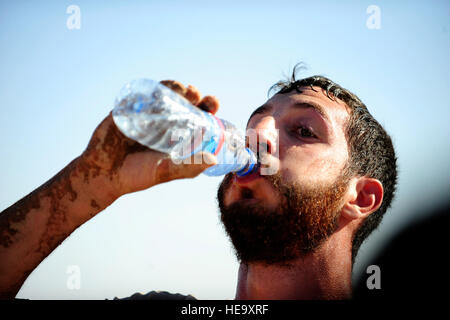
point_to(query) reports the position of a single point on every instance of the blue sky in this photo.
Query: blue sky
(57, 84)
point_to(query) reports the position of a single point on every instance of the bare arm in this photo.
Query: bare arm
(111, 166)
(35, 225)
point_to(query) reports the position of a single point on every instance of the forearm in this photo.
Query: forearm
(34, 226)
(112, 165)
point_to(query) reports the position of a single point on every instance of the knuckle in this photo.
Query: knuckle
(209, 103)
(175, 86)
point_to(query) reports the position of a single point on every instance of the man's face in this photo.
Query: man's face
(279, 217)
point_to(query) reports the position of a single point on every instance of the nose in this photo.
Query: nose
(262, 138)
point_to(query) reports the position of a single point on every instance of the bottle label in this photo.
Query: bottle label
(222, 136)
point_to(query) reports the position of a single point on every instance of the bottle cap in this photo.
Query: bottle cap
(250, 167)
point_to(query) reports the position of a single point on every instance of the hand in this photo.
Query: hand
(131, 166)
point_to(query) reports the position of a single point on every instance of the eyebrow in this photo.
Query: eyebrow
(317, 107)
(266, 108)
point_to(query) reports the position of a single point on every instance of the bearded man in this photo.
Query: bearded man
(296, 231)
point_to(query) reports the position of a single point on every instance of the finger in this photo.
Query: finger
(175, 86)
(209, 104)
(189, 168)
(193, 166)
(193, 95)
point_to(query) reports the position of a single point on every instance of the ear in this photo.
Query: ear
(365, 196)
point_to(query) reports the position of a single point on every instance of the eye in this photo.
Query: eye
(305, 132)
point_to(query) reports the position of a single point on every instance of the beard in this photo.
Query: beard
(304, 219)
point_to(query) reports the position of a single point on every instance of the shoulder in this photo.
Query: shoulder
(158, 295)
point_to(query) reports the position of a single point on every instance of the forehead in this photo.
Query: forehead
(335, 111)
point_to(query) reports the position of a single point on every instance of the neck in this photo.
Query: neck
(323, 274)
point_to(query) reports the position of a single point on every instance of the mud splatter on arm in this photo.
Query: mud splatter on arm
(34, 226)
(112, 165)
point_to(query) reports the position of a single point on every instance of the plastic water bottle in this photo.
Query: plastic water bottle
(159, 118)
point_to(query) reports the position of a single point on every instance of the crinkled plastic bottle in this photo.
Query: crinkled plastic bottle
(159, 118)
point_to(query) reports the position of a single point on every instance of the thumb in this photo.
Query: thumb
(198, 163)
(170, 169)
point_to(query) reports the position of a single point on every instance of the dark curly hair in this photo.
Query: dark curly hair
(371, 152)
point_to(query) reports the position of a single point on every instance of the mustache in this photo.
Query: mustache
(274, 180)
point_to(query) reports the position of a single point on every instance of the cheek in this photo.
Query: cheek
(311, 167)
(230, 195)
(226, 190)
